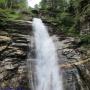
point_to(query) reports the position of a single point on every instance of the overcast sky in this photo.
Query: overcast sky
(32, 3)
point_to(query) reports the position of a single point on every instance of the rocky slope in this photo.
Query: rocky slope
(17, 45)
(74, 63)
(13, 54)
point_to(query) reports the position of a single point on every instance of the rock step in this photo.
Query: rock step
(21, 41)
(18, 35)
(20, 45)
(19, 38)
(5, 39)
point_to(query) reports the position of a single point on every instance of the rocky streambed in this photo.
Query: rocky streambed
(17, 43)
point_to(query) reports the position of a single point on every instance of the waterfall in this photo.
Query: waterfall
(47, 70)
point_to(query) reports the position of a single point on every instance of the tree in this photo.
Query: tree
(12, 4)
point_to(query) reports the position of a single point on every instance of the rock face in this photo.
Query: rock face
(17, 45)
(75, 68)
(13, 57)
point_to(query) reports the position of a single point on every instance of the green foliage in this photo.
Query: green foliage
(85, 39)
(22, 4)
(67, 19)
(68, 14)
(12, 9)
(8, 14)
(13, 4)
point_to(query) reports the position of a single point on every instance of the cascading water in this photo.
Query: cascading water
(47, 70)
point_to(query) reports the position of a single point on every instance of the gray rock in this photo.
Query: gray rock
(10, 66)
(21, 45)
(71, 54)
(2, 48)
(4, 39)
(20, 41)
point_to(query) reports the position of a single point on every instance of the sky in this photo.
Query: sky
(32, 3)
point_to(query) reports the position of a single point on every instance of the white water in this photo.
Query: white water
(47, 70)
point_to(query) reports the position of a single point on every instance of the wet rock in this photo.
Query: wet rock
(18, 35)
(68, 52)
(4, 33)
(8, 64)
(19, 38)
(1, 76)
(19, 25)
(13, 54)
(13, 69)
(71, 53)
(2, 48)
(4, 39)
(20, 45)
(21, 41)
(88, 53)
(22, 69)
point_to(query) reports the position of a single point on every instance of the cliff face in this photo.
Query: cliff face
(17, 45)
(13, 55)
(74, 64)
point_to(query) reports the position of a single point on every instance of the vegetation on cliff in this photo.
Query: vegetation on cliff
(11, 10)
(68, 16)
